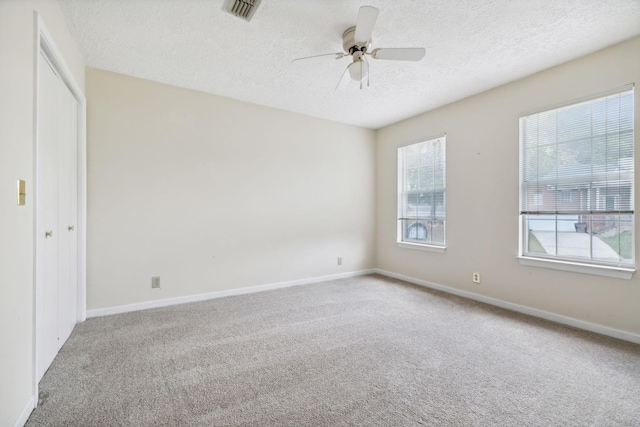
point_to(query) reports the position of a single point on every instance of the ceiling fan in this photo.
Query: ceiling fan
(356, 42)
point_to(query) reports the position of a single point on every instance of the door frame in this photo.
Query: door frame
(44, 42)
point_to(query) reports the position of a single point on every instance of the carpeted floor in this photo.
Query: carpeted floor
(362, 351)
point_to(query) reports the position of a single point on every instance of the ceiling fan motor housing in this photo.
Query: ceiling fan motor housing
(349, 44)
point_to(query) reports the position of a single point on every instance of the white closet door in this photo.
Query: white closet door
(67, 214)
(47, 169)
(57, 295)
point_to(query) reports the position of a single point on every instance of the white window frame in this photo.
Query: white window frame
(427, 246)
(573, 264)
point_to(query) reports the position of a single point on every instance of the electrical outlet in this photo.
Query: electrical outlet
(476, 277)
(339, 260)
(155, 282)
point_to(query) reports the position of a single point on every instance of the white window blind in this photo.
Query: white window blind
(576, 180)
(422, 192)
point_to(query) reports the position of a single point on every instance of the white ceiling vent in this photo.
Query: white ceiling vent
(242, 8)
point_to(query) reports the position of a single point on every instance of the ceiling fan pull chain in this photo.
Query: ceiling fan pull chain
(368, 70)
(341, 77)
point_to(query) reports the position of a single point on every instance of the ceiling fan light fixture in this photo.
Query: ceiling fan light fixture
(358, 70)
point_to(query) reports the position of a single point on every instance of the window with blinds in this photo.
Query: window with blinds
(576, 181)
(422, 192)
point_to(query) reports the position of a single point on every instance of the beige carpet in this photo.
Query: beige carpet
(365, 351)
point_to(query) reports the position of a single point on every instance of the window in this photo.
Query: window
(565, 196)
(576, 182)
(537, 198)
(421, 193)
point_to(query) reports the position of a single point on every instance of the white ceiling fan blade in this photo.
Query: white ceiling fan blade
(342, 77)
(338, 55)
(367, 16)
(400, 54)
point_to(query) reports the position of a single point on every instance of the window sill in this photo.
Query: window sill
(421, 247)
(577, 267)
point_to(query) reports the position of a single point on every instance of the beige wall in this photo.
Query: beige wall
(482, 195)
(17, 162)
(213, 194)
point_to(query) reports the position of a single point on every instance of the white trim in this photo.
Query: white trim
(422, 247)
(44, 42)
(82, 211)
(558, 318)
(220, 294)
(418, 141)
(581, 100)
(26, 412)
(596, 270)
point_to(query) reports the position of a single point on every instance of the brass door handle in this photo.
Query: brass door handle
(48, 234)
(71, 228)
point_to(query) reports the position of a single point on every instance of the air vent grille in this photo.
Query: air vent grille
(243, 8)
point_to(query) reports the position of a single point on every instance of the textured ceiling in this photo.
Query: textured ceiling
(471, 46)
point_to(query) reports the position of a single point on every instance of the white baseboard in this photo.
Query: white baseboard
(558, 318)
(26, 412)
(570, 321)
(219, 294)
